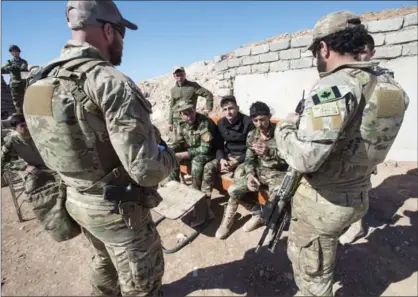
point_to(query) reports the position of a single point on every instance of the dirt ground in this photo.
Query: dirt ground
(384, 263)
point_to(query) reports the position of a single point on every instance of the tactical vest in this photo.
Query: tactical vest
(68, 127)
(367, 137)
(380, 120)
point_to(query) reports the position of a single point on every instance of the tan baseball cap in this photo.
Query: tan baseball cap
(85, 13)
(177, 68)
(333, 23)
(184, 104)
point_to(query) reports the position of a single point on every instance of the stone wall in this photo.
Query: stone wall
(394, 38)
(277, 73)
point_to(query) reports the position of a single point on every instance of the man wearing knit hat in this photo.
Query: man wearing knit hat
(349, 123)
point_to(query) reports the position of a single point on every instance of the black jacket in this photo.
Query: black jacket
(233, 137)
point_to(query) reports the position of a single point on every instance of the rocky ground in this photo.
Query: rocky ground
(384, 263)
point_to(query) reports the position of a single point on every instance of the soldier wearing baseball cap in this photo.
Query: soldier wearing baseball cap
(123, 151)
(333, 23)
(185, 90)
(195, 146)
(336, 146)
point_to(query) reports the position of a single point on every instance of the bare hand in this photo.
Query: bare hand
(232, 164)
(252, 183)
(260, 148)
(31, 169)
(224, 165)
(292, 117)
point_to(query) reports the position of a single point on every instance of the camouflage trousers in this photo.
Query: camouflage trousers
(126, 261)
(212, 171)
(269, 179)
(18, 92)
(318, 219)
(197, 163)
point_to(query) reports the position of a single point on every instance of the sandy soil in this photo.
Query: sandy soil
(384, 263)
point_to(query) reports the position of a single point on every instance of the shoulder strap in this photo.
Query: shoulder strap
(76, 70)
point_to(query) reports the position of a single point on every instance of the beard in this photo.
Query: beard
(321, 65)
(115, 52)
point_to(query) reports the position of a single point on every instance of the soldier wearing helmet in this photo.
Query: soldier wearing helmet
(14, 67)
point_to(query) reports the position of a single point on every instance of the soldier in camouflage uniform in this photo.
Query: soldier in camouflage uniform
(185, 90)
(264, 168)
(356, 230)
(14, 67)
(195, 145)
(350, 121)
(19, 144)
(95, 130)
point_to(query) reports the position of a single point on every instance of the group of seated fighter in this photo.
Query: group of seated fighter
(239, 144)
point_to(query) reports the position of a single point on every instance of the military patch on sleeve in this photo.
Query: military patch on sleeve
(325, 110)
(327, 94)
(206, 137)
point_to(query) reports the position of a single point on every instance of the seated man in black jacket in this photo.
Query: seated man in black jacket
(233, 129)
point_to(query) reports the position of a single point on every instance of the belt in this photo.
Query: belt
(344, 199)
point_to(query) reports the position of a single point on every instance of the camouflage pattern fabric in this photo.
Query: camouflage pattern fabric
(198, 141)
(263, 166)
(17, 84)
(197, 165)
(212, 170)
(350, 121)
(269, 169)
(126, 261)
(15, 146)
(84, 141)
(188, 91)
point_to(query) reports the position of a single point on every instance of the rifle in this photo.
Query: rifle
(276, 213)
(301, 105)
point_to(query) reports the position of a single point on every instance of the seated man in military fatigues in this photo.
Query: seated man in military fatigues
(195, 145)
(19, 143)
(264, 169)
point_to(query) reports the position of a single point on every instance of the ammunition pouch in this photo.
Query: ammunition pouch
(48, 202)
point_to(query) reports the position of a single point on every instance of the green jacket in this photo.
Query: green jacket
(198, 139)
(189, 91)
(14, 67)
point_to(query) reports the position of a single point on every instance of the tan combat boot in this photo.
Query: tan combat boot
(353, 233)
(255, 222)
(228, 219)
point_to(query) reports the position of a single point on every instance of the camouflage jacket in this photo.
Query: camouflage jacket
(350, 121)
(198, 139)
(272, 161)
(84, 142)
(188, 91)
(15, 146)
(14, 68)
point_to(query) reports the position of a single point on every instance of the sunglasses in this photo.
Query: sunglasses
(116, 27)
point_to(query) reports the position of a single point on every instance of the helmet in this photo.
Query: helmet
(14, 47)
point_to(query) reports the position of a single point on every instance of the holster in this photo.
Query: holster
(132, 200)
